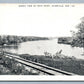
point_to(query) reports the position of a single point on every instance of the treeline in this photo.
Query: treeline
(74, 42)
(7, 39)
(65, 40)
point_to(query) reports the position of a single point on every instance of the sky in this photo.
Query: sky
(39, 21)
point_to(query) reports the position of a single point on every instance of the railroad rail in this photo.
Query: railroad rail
(37, 66)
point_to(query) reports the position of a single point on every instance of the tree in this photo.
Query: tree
(78, 39)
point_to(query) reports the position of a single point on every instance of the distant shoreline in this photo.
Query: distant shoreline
(69, 41)
(7, 40)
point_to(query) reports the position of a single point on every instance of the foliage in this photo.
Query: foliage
(78, 38)
(7, 39)
(8, 66)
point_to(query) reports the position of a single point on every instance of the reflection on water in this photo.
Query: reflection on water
(10, 47)
(51, 46)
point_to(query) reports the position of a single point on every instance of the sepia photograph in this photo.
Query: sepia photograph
(42, 39)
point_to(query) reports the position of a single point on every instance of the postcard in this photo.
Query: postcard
(42, 42)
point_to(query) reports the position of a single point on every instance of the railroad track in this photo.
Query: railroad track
(37, 66)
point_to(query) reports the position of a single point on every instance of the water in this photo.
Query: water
(51, 46)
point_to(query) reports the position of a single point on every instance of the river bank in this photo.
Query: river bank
(58, 61)
(62, 62)
(15, 40)
(65, 40)
(71, 41)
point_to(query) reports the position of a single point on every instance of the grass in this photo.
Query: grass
(69, 64)
(59, 61)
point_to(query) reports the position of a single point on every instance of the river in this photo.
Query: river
(51, 46)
